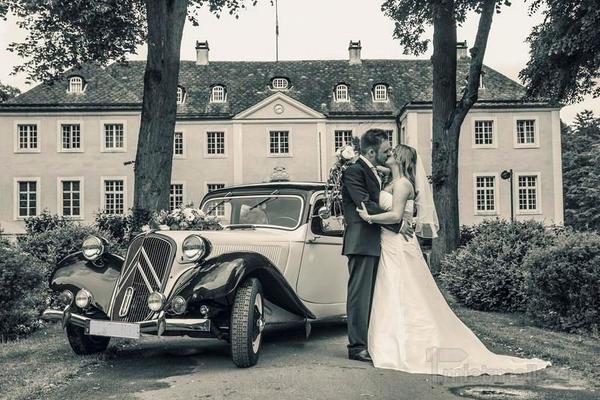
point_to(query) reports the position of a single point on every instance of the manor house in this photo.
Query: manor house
(67, 146)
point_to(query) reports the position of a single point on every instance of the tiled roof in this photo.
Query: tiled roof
(247, 83)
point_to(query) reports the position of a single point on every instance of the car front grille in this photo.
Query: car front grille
(146, 270)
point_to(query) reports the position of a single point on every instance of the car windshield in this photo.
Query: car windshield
(278, 211)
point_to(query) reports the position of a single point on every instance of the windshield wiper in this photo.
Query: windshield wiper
(260, 203)
(219, 204)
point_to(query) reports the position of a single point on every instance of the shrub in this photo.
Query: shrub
(564, 283)
(488, 273)
(22, 291)
(118, 226)
(53, 245)
(44, 222)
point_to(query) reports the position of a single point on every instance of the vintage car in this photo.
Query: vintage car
(277, 262)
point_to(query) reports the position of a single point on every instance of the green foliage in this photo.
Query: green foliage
(564, 283)
(564, 51)
(43, 222)
(412, 17)
(487, 273)
(581, 172)
(117, 225)
(7, 92)
(53, 245)
(65, 34)
(22, 291)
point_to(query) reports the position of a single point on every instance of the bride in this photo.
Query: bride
(412, 328)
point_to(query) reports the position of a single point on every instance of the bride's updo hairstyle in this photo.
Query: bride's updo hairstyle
(406, 157)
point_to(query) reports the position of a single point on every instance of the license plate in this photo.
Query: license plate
(114, 329)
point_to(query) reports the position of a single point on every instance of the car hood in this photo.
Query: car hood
(274, 244)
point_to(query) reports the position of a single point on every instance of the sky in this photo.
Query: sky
(322, 29)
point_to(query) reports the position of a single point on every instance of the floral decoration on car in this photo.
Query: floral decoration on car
(345, 156)
(183, 218)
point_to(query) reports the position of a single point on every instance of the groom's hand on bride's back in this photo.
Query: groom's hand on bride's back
(406, 230)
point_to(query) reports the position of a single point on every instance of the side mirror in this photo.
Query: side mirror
(324, 212)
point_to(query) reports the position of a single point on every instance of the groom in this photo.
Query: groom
(362, 184)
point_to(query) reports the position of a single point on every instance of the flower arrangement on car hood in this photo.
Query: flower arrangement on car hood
(345, 156)
(183, 218)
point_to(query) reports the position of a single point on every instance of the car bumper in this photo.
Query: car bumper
(155, 326)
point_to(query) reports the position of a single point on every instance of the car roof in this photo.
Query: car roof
(297, 185)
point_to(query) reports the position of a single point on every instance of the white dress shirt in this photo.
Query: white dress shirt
(373, 169)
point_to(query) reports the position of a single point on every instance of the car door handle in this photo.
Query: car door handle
(314, 239)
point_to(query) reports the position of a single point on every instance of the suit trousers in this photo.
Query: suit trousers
(363, 271)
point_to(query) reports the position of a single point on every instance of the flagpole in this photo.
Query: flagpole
(276, 32)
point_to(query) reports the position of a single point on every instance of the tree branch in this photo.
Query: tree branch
(471, 93)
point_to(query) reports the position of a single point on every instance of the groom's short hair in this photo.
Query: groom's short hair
(372, 139)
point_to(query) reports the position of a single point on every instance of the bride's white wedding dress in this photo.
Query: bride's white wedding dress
(413, 329)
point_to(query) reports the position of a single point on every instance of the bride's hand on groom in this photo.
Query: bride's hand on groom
(406, 230)
(363, 213)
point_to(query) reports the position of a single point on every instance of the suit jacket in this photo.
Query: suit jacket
(359, 184)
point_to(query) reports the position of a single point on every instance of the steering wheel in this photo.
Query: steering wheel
(285, 218)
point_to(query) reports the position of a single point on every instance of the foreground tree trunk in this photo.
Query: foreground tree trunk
(154, 158)
(448, 116)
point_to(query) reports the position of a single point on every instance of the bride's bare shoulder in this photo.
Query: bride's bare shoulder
(403, 185)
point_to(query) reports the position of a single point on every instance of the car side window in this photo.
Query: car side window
(332, 226)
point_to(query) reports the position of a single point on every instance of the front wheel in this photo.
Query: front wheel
(85, 344)
(247, 323)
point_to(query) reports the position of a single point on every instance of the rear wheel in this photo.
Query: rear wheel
(85, 344)
(247, 323)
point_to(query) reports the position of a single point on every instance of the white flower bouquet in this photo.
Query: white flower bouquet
(183, 218)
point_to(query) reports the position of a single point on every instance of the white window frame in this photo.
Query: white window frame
(16, 148)
(102, 192)
(374, 93)
(71, 85)
(538, 193)
(536, 132)
(206, 191)
(268, 136)
(496, 177)
(337, 93)
(59, 141)
(184, 142)
(494, 144)
(206, 153)
(183, 192)
(59, 197)
(335, 148)
(280, 79)
(38, 195)
(102, 139)
(181, 95)
(392, 135)
(212, 94)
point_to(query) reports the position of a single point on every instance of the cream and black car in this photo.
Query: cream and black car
(277, 262)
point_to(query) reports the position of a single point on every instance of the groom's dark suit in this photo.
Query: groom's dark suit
(363, 248)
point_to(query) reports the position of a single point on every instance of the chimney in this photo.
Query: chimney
(462, 50)
(202, 53)
(354, 50)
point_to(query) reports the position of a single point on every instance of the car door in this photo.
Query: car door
(323, 276)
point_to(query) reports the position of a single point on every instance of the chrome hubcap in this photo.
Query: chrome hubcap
(259, 322)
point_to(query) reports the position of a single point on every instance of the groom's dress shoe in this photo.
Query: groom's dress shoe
(362, 355)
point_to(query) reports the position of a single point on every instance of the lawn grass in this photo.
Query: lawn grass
(39, 363)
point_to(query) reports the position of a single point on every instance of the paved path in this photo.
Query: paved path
(290, 368)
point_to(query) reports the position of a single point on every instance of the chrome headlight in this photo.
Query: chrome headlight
(156, 301)
(92, 248)
(193, 248)
(83, 298)
(178, 305)
(66, 298)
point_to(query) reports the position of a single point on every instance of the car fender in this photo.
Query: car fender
(75, 272)
(219, 277)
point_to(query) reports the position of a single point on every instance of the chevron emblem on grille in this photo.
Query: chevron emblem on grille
(147, 279)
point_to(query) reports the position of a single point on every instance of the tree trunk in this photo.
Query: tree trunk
(448, 117)
(154, 158)
(444, 150)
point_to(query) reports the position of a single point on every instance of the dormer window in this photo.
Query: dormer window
(280, 83)
(180, 95)
(341, 93)
(217, 94)
(380, 92)
(76, 84)
(481, 85)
